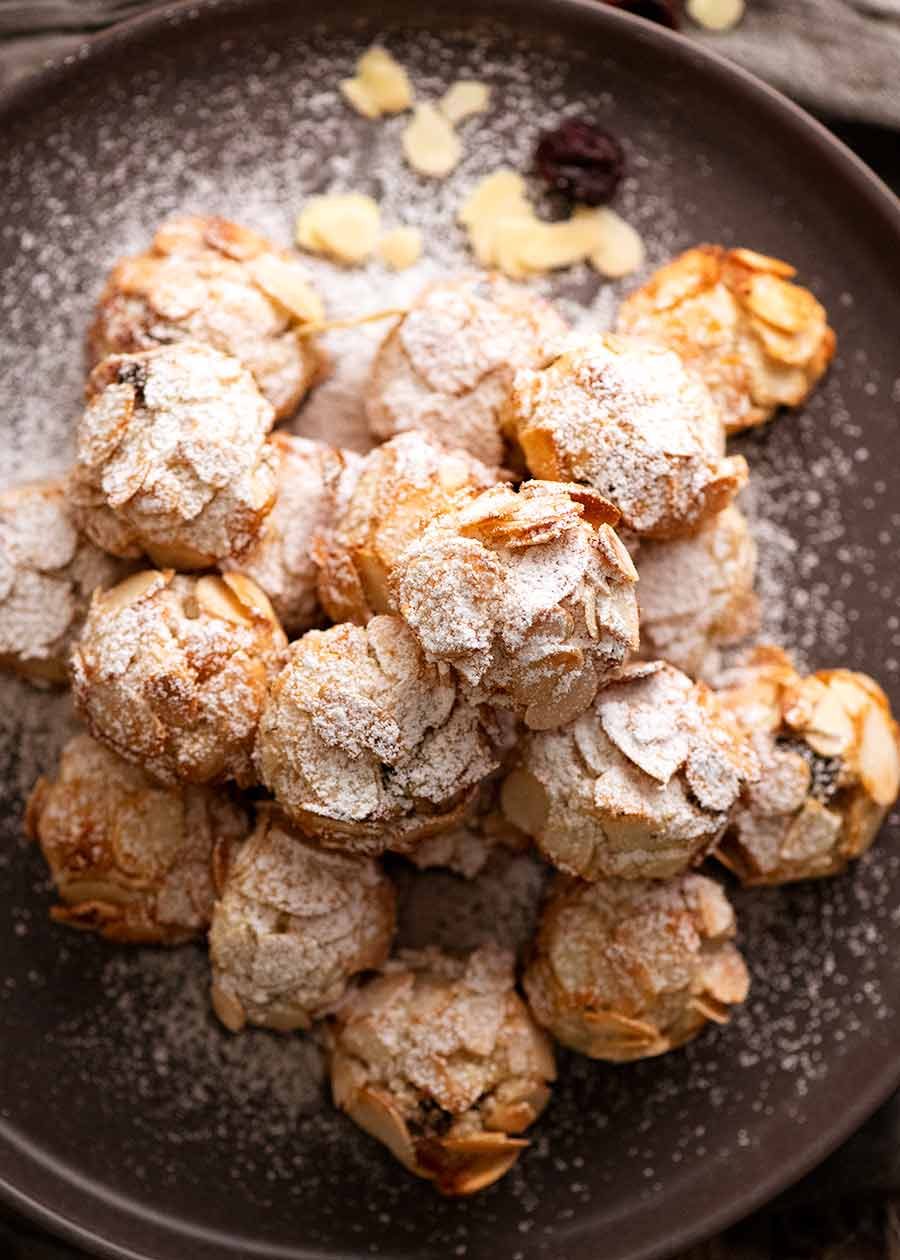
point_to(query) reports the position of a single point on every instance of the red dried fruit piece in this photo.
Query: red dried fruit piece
(665, 12)
(581, 161)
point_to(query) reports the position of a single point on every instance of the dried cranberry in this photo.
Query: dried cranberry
(665, 12)
(580, 160)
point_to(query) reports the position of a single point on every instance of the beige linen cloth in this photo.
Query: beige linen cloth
(838, 57)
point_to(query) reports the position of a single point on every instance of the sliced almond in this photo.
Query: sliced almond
(356, 93)
(133, 589)
(879, 756)
(220, 863)
(615, 553)
(112, 409)
(83, 892)
(812, 837)
(685, 277)
(528, 246)
(228, 1008)
(87, 916)
(862, 818)
(571, 696)
(515, 1115)
(713, 912)
(613, 1035)
(525, 802)
(178, 234)
(463, 99)
(726, 979)
(216, 597)
(431, 145)
(342, 226)
(285, 281)
(401, 248)
(716, 15)
(830, 731)
(462, 1166)
(136, 276)
(621, 250)
(763, 262)
(234, 239)
(374, 1111)
(250, 596)
(849, 690)
(788, 307)
(789, 349)
(500, 195)
(385, 81)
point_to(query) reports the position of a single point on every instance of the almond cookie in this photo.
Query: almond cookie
(172, 673)
(529, 595)
(207, 279)
(400, 487)
(448, 365)
(439, 1059)
(759, 341)
(628, 969)
(626, 417)
(640, 786)
(48, 572)
(366, 745)
(293, 925)
(829, 754)
(132, 861)
(172, 457)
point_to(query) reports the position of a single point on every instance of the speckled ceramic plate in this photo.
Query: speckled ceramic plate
(129, 1122)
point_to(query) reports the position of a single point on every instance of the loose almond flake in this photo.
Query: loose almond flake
(505, 232)
(463, 99)
(431, 145)
(342, 226)
(528, 246)
(716, 15)
(498, 196)
(621, 250)
(381, 85)
(401, 248)
(358, 95)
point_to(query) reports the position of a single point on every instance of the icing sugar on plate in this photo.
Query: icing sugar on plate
(253, 136)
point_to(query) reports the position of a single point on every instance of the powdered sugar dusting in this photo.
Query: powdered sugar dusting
(253, 138)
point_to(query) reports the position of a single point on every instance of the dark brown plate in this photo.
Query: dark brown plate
(131, 1125)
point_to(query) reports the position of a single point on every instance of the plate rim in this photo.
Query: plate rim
(881, 201)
